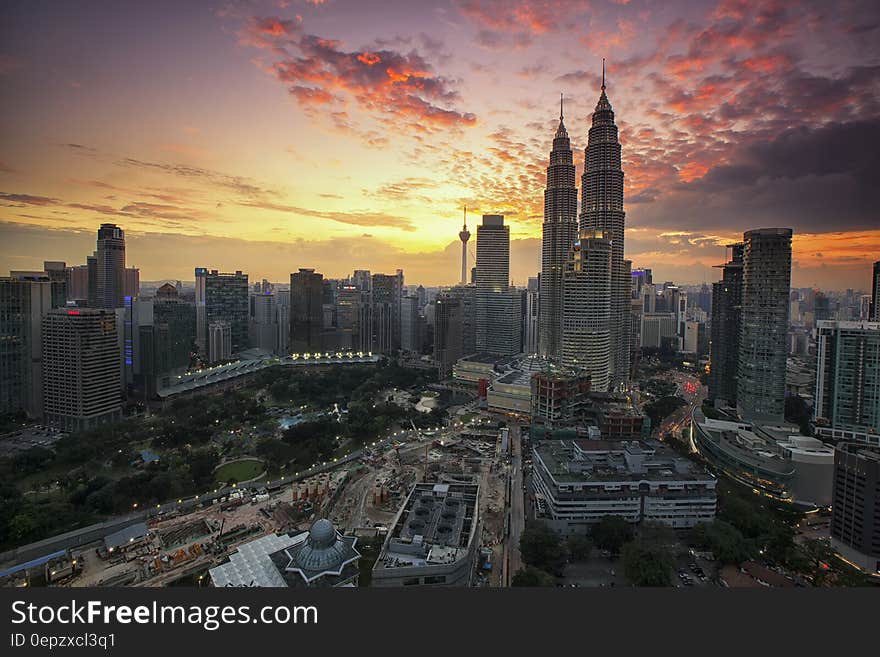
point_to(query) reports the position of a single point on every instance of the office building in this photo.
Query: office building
(164, 329)
(221, 298)
(580, 482)
(385, 307)
(412, 325)
(24, 300)
(587, 307)
(766, 287)
(602, 215)
(498, 305)
(448, 322)
(59, 276)
(110, 263)
(306, 311)
(263, 320)
(531, 318)
(847, 397)
(724, 332)
(219, 341)
(560, 230)
(433, 540)
(81, 368)
(132, 282)
(855, 514)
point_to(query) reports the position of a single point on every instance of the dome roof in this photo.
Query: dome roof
(322, 534)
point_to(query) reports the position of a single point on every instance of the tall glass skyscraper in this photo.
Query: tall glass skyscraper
(110, 267)
(559, 233)
(602, 215)
(586, 311)
(725, 328)
(498, 305)
(765, 306)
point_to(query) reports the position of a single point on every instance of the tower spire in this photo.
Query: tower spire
(603, 74)
(560, 106)
(464, 226)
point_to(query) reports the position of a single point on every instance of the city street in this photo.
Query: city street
(517, 514)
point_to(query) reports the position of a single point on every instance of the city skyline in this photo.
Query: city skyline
(727, 109)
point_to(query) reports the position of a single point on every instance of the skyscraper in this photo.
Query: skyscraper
(560, 231)
(602, 215)
(725, 328)
(225, 299)
(498, 306)
(464, 235)
(447, 333)
(110, 267)
(306, 311)
(24, 300)
(412, 328)
(848, 378)
(132, 282)
(766, 284)
(586, 310)
(875, 292)
(385, 305)
(81, 368)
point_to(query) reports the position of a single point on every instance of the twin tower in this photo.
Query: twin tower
(584, 317)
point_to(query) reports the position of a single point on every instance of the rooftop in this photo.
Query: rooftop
(570, 461)
(436, 525)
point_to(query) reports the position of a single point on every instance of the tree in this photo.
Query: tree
(202, 463)
(647, 565)
(531, 576)
(579, 547)
(611, 533)
(542, 548)
(724, 540)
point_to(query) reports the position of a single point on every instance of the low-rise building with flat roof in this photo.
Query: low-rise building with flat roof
(580, 482)
(433, 540)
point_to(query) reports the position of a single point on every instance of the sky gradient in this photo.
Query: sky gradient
(347, 134)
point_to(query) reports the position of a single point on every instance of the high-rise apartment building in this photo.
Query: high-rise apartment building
(765, 304)
(847, 395)
(855, 509)
(586, 310)
(602, 215)
(560, 230)
(110, 263)
(81, 367)
(725, 328)
(306, 311)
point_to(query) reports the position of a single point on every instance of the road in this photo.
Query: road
(517, 510)
(693, 393)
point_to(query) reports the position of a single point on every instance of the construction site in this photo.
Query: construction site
(361, 497)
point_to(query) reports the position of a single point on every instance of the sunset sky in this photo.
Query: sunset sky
(341, 134)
